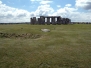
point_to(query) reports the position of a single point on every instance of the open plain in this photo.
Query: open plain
(26, 46)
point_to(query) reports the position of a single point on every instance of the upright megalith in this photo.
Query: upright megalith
(59, 20)
(53, 21)
(48, 21)
(63, 20)
(33, 20)
(41, 20)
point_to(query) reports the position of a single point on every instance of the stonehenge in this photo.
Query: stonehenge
(54, 20)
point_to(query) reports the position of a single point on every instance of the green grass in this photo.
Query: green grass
(65, 46)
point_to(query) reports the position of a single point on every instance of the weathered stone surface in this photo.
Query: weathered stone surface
(31, 21)
(53, 21)
(45, 30)
(59, 21)
(48, 21)
(34, 20)
(41, 20)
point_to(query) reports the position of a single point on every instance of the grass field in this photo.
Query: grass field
(65, 46)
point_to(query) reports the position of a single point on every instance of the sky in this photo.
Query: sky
(23, 10)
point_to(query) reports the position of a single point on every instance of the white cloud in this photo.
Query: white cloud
(68, 5)
(45, 2)
(58, 6)
(18, 15)
(0, 2)
(73, 14)
(85, 4)
(42, 1)
(44, 10)
(32, 0)
(10, 14)
(35, 0)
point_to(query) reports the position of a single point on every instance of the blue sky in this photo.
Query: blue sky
(28, 4)
(23, 10)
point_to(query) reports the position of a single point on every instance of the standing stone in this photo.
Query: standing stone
(38, 21)
(34, 20)
(63, 21)
(59, 21)
(48, 21)
(31, 20)
(42, 20)
(53, 21)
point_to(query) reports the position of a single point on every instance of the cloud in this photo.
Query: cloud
(44, 10)
(0, 2)
(85, 4)
(73, 14)
(45, 2)
(12, 14)
(41, 1)
(18, 15)
(58, 6)
(35, 0)
(32, 0)
(68, 5)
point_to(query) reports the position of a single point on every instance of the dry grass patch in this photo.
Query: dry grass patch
(23, 36)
